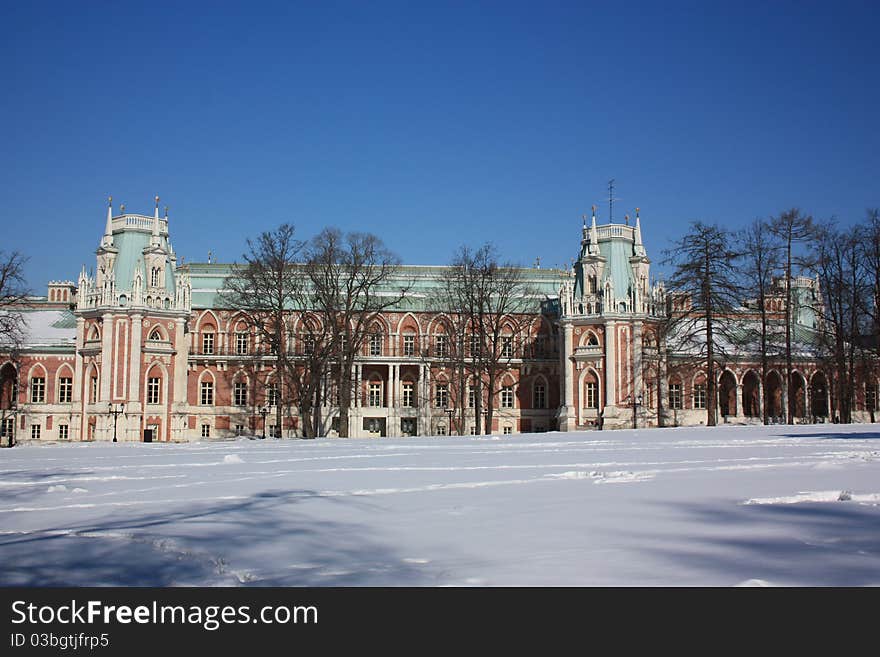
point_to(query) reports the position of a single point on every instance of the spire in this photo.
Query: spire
(107, 240)
(594, 235)
(155, 238)
(638, 247)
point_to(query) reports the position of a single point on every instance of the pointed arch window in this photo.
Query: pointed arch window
(155, 335)
(154, 277)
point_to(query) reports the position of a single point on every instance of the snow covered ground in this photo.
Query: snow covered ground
(733, 505)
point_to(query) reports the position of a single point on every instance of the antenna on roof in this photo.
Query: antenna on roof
(611, 199)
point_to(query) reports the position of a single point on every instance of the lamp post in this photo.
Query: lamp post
(116, 410)
(264, 411)
(450, 412)
(636, 402)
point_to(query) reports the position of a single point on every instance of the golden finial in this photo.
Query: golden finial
(594, 209)
(166, 211)
(157, 201)
(122, 208)
(637, 212)
(110, 200)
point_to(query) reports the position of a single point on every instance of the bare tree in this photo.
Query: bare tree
(350, 279)
(840, 269)
(13, 293)
(705, 283)
(496, 307)
(266, 288)
(760, 265)
(792, 228)
(13, 329)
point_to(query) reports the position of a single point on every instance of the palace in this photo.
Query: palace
(144, 350)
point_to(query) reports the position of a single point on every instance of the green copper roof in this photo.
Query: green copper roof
(131, 244)
(422, 282)
(617, 252)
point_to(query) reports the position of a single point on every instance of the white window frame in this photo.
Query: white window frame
(208, 342)
(507, 397)
(239, 393)
(408, 394)
(38, 390)
(206, 393)
(154, 390)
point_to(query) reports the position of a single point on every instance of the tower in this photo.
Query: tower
(131, 318)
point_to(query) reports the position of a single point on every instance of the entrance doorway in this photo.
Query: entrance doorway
(151, 433)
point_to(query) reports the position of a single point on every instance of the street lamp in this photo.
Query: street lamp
(116, 410)
(450, 412)
(264, 411)
(636, 401)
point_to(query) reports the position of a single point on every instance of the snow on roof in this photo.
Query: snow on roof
(50, 328)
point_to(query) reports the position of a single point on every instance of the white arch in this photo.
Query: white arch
(202, 317)
(163, 394)
(440, 318)
(582, 396)
(585, 338)
(403, 321)
(58, 377)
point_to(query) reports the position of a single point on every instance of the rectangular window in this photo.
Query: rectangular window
(38, 390)
(65, 390)
(475, 345)
(35, 432)
(409, 345)
(7, 427)
(508, 431)
(375, 394)
(408, 394)
(440, 346)
(93, 397)
(63, 432)
(506, 346)
(700, 395)
(241, 343)
(870, 398)
(507, 397)
(675, 396)
(441, 430)
(472, 396)
(272, 394)
(375, 345)
(239, 393)
(473, 429)
(408, 426)
(441, 395)
(206, 431)
(591, 398)
(308, 344)
(207, 343)
(540, 396)
(154, 384)
(274, 431)
(239, 429)
(207, 393)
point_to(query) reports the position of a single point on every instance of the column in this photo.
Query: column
(358, 388)
(636, 355)
(739, 401)
(134, 367)
(566, 380)
(107, 329)
(78, 369)
(610, 364)
(179, 401)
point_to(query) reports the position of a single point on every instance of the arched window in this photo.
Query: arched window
(155, 335)
(154, 277)
(540, 394)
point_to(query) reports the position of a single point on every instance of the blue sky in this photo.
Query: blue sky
(430, 125)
